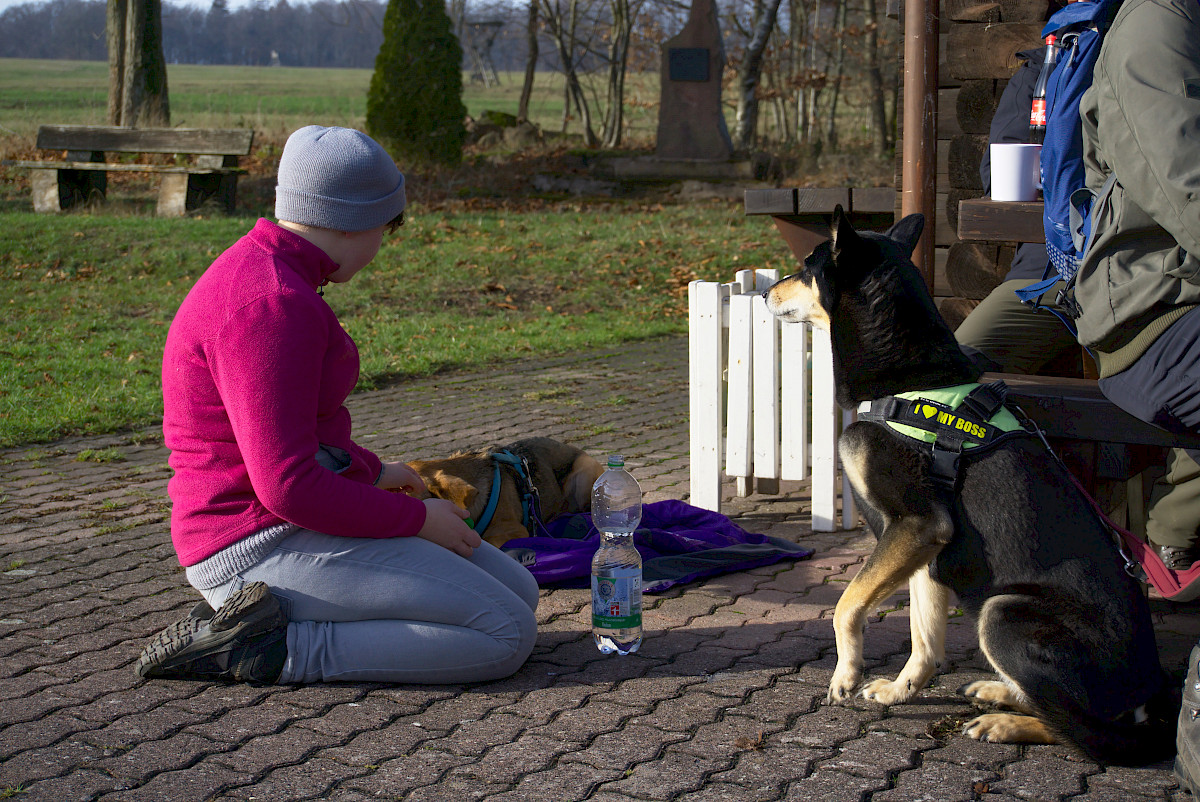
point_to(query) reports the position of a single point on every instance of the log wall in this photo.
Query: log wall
(979, 43)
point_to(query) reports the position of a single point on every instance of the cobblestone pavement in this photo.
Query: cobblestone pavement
(723, 702)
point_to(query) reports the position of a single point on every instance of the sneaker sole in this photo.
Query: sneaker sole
(250, 611)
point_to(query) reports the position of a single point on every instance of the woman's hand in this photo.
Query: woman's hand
(444, 525)
(401, 476)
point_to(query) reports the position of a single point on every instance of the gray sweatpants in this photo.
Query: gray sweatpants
(395, 610)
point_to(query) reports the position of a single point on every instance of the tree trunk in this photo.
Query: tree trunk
(137, 69)
(750, 74)
(839, 62)
(618, 56)
(876, 93)
(531, 43)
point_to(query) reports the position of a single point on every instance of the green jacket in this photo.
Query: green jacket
(1141, 120)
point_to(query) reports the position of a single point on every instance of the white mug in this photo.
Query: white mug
(1016, 171)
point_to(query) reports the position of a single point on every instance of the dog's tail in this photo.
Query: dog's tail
(1136, 739)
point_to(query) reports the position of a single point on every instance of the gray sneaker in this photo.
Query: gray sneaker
(244, 641)
(1187, 736)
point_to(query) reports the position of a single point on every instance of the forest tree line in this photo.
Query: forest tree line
(796, 70)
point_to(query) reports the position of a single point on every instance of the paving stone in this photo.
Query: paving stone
(81, 785)
(200, 782)
(939, 782)
(149, 758)
(673, 773)
(1043, 778)
(312, 779)
(562, 781)
(825, 785)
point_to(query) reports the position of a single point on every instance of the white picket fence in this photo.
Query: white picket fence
(769, 430)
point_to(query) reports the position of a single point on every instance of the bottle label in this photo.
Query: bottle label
(617, 600)
(1037, 114)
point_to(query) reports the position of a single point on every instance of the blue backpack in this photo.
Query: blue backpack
(1080, 28)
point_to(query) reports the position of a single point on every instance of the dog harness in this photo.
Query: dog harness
(951, 420)
(530, 508)
(948, 420)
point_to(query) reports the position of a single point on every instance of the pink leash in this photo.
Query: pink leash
(1170, 584)
(1179, 586)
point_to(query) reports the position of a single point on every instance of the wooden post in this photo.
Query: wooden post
(919, 176)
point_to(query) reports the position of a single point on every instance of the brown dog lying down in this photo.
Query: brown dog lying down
(562, 475)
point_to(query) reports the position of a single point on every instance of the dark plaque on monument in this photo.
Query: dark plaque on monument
(688, 64)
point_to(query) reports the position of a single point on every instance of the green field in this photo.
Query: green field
(271, 100)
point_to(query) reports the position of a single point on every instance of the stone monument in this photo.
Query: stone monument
(691, 123)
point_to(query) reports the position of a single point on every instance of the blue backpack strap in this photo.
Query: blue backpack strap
(1032, 294)
(1080, 28)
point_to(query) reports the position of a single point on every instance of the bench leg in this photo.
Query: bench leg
(180, 193)
(55, 190)
(172, 195)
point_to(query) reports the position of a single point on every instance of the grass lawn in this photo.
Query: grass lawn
(89, 297)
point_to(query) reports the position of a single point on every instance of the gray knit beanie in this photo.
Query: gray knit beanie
(337, 178)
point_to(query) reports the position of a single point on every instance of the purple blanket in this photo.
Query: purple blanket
(678, 543)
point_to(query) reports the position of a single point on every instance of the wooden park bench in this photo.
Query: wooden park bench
(210, 176)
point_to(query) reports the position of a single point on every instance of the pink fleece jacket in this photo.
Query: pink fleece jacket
(256, 371)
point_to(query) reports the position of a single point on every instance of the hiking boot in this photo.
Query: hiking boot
(244, 641)
(201, 611)
(1177, 558)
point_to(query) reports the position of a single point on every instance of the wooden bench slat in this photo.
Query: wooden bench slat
(126, 168)
(209, 141)
(1075, 409)
(986, 220)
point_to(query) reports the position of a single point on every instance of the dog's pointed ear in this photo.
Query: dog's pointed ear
(842, 234)
(907, 232)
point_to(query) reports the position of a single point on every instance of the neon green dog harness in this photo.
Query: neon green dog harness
(948, 420)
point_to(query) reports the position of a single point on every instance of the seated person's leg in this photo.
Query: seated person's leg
(1163, 388)
(1011, 334)
(1174, 511)
(399, 610)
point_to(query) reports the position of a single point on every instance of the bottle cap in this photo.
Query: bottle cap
(616, 461)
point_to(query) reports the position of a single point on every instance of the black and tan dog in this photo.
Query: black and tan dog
(561, 474)
(1065, 628)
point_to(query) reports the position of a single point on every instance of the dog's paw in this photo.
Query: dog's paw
(841, 687)
(988, 692)
(889, 692)
(1008, 728)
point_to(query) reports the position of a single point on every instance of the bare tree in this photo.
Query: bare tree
(623, 15)
(750, 74)
(531, 57)
(137, 70)
(563, 24)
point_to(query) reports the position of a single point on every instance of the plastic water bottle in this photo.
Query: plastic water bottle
(617, 566)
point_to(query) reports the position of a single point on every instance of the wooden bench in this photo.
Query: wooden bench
(209, 177)
(803, 214)
(1104, 446)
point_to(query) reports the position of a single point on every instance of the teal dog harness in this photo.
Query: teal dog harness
(531, 515)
